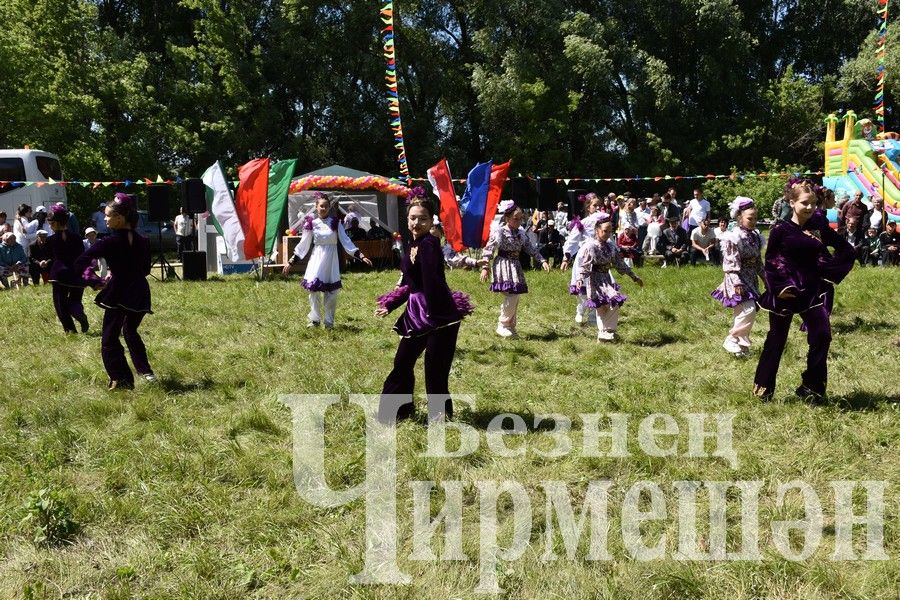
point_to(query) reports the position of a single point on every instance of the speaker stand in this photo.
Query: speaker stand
(165, 269)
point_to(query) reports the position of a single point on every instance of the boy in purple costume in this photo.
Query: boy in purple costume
(125, 294)
(68, 287)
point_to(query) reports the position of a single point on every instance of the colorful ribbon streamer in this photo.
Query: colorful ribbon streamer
(880, 70)
(390, 77)
(584, 180)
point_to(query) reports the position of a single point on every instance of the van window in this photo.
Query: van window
(11, 169)
(49, 167)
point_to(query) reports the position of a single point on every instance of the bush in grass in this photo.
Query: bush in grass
(51, 517)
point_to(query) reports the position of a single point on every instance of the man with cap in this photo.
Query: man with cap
(550, 242)
(98, 218)
(40, 215)
(675, 243)
(40, 258)
(90, 238)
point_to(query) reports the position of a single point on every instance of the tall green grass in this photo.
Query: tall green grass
(184, 488)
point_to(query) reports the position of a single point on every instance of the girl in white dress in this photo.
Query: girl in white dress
(322, 278)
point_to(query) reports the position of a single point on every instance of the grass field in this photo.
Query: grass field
(185, 489)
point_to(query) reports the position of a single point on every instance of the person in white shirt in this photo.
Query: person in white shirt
(703, 244)
(561, 217)
(697, 210)
(40, 215)
(99, 220)
(90, 238)
(25, 228)
(184, 232)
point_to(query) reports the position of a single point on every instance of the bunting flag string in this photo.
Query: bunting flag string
(658, 178)
(399, 190)
(880, 70)
(393, 96)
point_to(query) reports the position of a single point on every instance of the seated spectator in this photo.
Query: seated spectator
(853, 235)
(870, 252)
(675, 243)
(4, 226)
(651, 245)
(877, 217)
(719, 231)
(90, 238)
(13, 262)
(704, 244)
(890, 245)
(628, 246)
(351, 226)
(561, 217)
(377, 232)
(40, 258)
(550, 243)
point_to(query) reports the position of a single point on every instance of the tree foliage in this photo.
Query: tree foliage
(563, 87)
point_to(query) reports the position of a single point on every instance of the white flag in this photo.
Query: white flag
(223, 210)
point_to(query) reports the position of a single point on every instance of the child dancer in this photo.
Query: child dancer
(454, 259)
(322, 278)
(68, 286)
(430, 322)
(580, 232)
(598, 256)
(125, 294)
(508, 278)
(742, 263)
(798, 269)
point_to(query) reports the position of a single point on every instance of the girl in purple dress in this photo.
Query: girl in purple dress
(798, 272)
(509, 239)
(68, 286)
(742, 263)
(430, 322)
(580, 232)
(597, 257)
(124, 295)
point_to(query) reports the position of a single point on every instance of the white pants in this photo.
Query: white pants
(508, 310)
(583, 313)
(607, 319)
(744, 316)
(315, 307)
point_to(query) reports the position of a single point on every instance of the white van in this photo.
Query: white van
(29, 165)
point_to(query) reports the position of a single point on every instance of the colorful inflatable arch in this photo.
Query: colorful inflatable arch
(863, 161)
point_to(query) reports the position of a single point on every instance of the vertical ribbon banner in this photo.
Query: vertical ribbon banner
(880, 69)
(390, 77)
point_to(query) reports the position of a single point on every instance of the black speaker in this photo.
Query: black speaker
(547, 193)
(159, 203)
(193, 266)
(194, 195)
(575, 206)
(520, 190)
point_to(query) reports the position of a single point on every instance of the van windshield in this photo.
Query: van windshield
(49, 167)
(11, 169)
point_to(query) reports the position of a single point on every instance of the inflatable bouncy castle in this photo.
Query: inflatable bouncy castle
(863, 161)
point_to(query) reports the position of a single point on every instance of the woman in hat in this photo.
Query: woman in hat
(124, 295)
(798, 270)
(68, 286)
(742, 263)
(429, 324)
(507, 276)
(322, 278)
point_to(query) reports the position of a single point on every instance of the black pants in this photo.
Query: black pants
(67, 302)
(184, 243)
(439, 347)
(698, 255)
(818, 335)
(117, 322)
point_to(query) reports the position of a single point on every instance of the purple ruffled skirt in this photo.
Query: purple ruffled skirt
(416, 321)
(317, 285)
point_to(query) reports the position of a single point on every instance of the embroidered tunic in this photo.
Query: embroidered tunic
(742, 263)
(582, 232)
(506, 270)
(129, 265)
(596, 259)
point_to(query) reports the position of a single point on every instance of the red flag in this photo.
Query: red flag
(439, 176)
(250, 204)
(498, 180)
